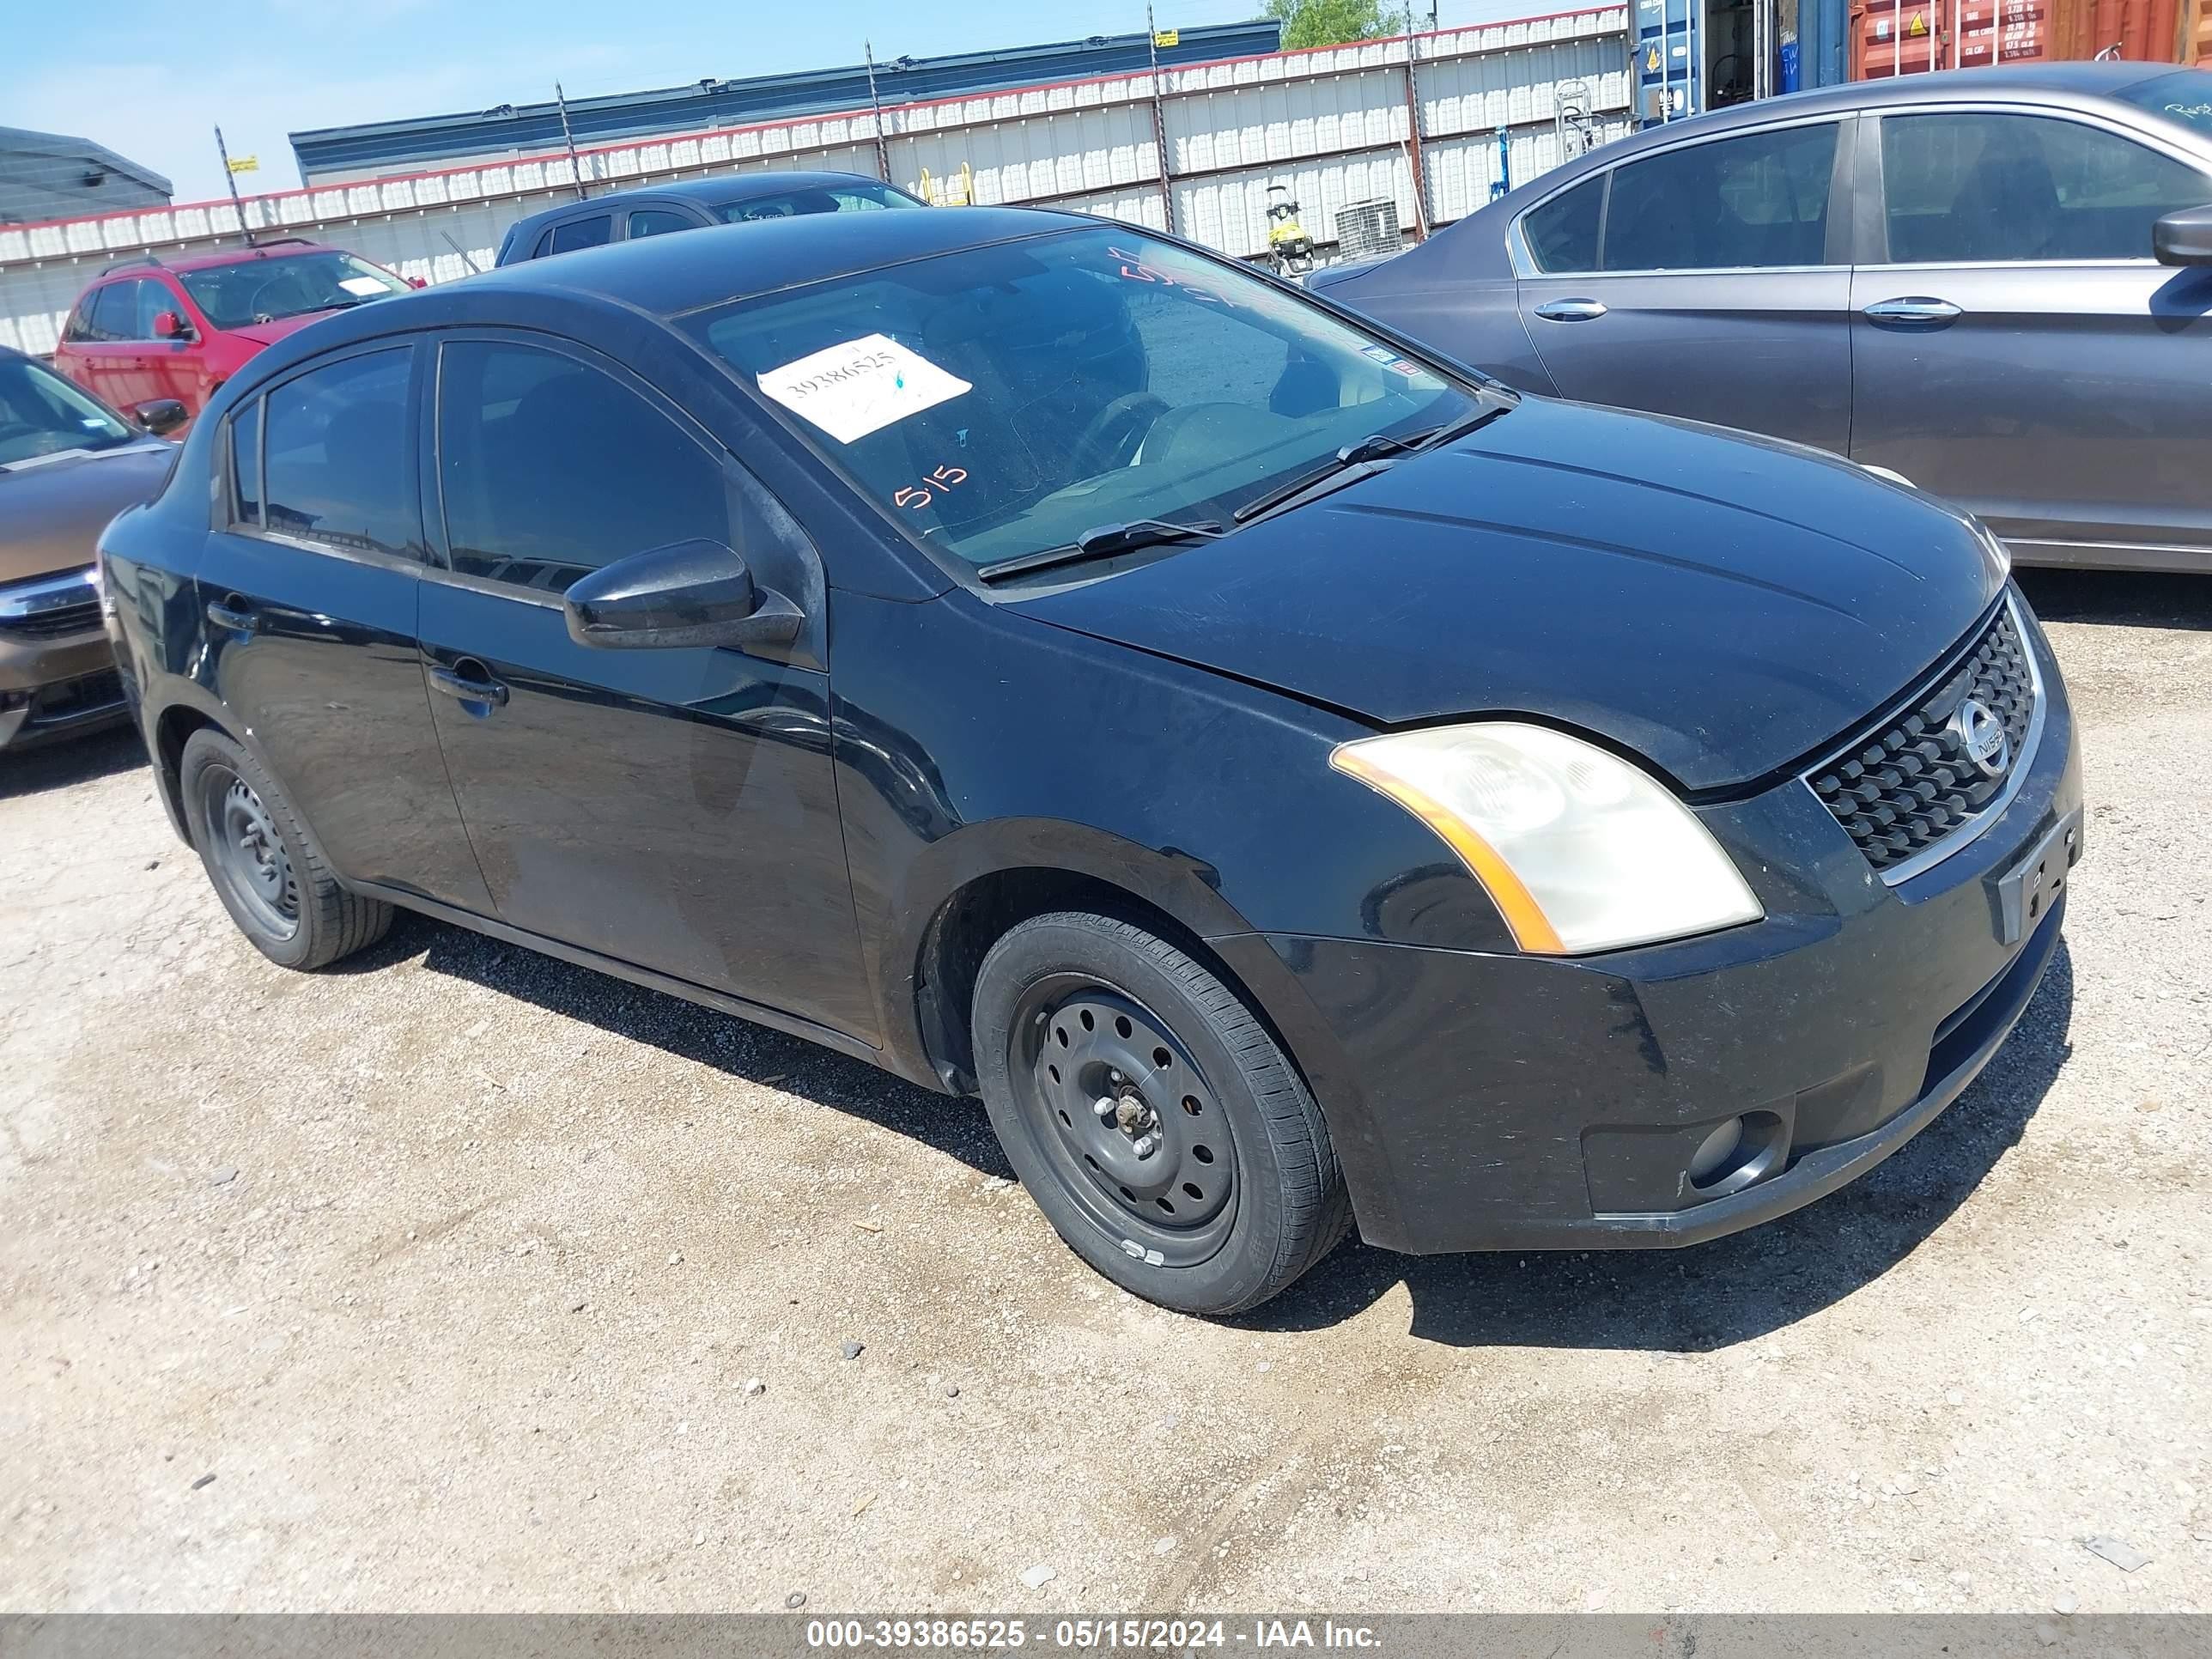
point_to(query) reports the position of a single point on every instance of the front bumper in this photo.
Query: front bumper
(1491, 1102)
(55, 687)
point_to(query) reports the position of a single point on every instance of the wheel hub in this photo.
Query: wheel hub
(249, 854)
(1130, 1120)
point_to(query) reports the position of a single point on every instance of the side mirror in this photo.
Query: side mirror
(169, 326)
(2184, 238)
(418, 282)
(161, 416)
(687, 593)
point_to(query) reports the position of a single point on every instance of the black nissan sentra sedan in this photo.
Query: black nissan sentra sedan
(1296, 785)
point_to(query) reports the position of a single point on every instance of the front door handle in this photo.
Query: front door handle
(1914, 311)
(233, 613)
(469, 681)
(1571, 311)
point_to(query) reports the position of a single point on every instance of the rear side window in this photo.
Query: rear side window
(335, 466)
(245, 462)
(1562, 234)
(656, 221)
(581, 233)
(551, 469)
(1759, 201)
(1974, 188)
(115, 311)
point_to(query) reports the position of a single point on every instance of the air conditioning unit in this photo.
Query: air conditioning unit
(1367, 229)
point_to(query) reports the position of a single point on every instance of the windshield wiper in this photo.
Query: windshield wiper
(1375, 447)
(1102, 542)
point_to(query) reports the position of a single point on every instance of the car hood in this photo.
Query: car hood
(51, 512)
(1723, 605)
(267, 334)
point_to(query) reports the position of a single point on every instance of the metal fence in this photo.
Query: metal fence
(1415, 119)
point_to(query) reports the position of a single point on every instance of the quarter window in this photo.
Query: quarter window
(581, 233)
(1757, 201)
(656, 221)
(1974, 188)
(246, 462)
(335, 465)
(1562, 234)
(551, 469)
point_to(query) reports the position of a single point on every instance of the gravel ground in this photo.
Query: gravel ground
(462, 1279)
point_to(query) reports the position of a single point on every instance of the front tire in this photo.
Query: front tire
(1152, 1116)
(264, 865)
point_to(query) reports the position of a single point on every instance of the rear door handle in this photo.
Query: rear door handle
(1571, 311)
(1914, 311)
(234, 614)
(469, 681)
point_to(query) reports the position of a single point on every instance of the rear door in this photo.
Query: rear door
(2016, 346)
(309, 588)
(670, 808)
(1710, 280)
(111, 358)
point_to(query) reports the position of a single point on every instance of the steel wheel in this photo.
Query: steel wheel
(1125, 1120)
(247, 852)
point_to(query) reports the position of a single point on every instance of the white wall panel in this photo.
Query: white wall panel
(1331, 123)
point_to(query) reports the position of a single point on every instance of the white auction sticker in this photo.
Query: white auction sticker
(363, 286)
(861, 386)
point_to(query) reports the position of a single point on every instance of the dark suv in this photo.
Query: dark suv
(734, 198)
(1289, 781)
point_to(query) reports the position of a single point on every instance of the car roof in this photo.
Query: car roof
(670, 274)
(720, 191)
(221, 256)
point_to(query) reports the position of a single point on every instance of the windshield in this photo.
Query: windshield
(1006, 399)
(289, 285)
(2183, 97)
(42, 414)
(859, 197)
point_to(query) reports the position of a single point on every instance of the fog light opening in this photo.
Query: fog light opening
(1737, 1152)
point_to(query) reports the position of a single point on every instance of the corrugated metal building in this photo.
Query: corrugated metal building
(50, 175)
(339, 154)
(1415, 121)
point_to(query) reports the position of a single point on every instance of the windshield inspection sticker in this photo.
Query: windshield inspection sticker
(363, 286)
(861, 386)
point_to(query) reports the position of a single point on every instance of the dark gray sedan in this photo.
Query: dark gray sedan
(1997, 283)
(728, 198)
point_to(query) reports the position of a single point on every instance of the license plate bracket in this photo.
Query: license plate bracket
(2026, 891)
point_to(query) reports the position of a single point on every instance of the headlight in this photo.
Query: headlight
(1580, 850)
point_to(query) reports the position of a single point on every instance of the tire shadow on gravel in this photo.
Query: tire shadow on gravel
(1732, 1289)
(56, 763)
(734, 1046)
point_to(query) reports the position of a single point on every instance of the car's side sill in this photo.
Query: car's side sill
(720, 1001)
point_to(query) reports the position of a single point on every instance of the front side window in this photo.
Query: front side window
(153, 298)
(41, 415)
(1001, 401)
(859, 197)
(271, 287)
(1755, 201)
(1562, 234)
(1975, 188)
(551, 469)
(335, 466)
(580, 233)
(656, 221)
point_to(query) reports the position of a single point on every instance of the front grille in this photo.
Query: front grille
(57, 623)
(1910, 785)
(76, 699)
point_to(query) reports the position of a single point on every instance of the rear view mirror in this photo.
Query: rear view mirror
(2184, 238)
(688, 593)
(169, 326)
(161, 416)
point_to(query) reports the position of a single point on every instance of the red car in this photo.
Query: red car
(150, 328)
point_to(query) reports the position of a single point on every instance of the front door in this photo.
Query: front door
(671, 808)
(309, 591)
(2016, 347)
(1709, 280)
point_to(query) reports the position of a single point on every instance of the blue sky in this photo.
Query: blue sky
(152, 81)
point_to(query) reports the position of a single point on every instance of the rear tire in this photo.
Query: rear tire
(264, 864)
(1207, 1185)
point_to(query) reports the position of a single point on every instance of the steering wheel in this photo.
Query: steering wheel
(253, 303)
(1114, 433)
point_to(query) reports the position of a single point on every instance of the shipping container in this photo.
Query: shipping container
(1912, 37)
